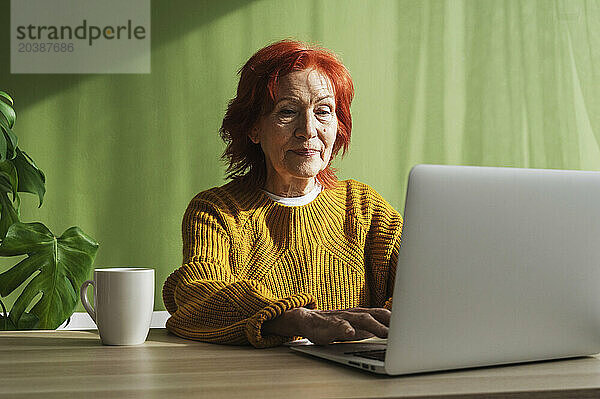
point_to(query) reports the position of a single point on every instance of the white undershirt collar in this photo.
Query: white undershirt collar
(296, 201)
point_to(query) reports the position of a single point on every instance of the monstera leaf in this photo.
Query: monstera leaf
(18, 172)
(8, 140)
(28, 321)
(60, 265)
(9, 210)
(30, 178)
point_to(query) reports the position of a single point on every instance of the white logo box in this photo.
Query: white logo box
(80, 36)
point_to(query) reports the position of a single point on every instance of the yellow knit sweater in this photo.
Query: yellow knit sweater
(248, 259)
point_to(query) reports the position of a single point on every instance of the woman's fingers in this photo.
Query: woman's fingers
(325, 327)
(330, 328)
(362, 334)
(380, 314)
(354, 324)
(366, 322)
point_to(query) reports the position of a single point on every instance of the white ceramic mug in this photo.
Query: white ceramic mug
(123, 304)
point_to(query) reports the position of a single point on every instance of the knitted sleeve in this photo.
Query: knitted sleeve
(382, 247)
(393, 264)
(206, 300)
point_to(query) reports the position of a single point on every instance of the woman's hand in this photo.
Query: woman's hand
(326, 326)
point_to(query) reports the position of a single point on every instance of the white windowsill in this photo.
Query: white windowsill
(83, 321)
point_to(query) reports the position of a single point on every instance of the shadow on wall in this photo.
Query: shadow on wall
(169, 21)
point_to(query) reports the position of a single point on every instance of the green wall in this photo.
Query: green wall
(478, 82)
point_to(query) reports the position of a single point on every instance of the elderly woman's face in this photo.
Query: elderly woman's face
(297, 136)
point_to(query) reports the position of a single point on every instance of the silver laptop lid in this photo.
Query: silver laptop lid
(497, 265)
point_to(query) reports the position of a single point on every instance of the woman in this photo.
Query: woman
(284, 249)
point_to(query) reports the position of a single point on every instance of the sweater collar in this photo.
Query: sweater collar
(293, 225)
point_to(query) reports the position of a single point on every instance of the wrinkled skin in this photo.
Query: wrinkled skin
(326, 326)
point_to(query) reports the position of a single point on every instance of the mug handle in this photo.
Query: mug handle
(84, 299)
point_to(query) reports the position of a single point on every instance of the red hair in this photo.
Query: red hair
(255, 97)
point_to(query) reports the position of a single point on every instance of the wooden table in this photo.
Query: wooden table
(65, 364)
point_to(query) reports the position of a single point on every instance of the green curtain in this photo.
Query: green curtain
(474, 82)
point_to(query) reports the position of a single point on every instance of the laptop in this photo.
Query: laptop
(496, 266)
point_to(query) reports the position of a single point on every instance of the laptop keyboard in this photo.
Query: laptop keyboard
(376, 354)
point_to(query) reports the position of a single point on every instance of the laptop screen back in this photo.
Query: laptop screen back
(497, 265)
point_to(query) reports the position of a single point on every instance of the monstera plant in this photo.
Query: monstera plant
(59, 265)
